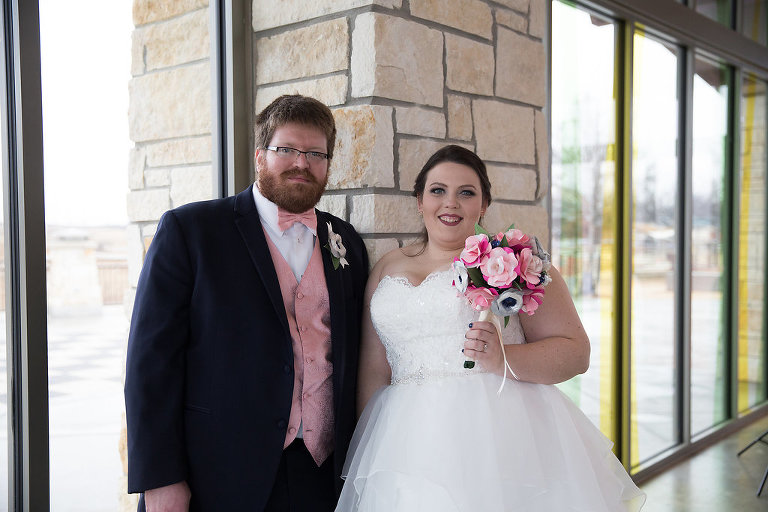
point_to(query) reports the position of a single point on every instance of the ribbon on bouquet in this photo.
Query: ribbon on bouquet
(487, 315)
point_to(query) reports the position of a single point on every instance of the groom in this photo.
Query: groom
(242, 354)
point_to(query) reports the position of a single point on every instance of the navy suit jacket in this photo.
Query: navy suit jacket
(209, 372)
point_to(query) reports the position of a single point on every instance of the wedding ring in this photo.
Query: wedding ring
(485, 347)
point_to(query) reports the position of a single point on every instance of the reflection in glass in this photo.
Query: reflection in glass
(718, 10)
(711, 84)
(754, 20)
(655, 194)
(583, 173)
(751, 358)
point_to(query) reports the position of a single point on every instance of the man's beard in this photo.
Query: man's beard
(292, 197)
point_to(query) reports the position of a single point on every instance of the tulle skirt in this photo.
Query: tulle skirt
(453, 444)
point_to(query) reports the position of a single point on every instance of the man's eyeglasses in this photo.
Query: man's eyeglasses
(313, 157)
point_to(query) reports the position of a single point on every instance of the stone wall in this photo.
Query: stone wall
(169, 115)
(404, 78)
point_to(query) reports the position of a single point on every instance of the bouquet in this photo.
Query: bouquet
(501, 275)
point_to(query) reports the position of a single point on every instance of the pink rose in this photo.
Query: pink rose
(515, 237)
(532, 300)
(529, 267)
(475, 248)
(499, 268)
(480, 298)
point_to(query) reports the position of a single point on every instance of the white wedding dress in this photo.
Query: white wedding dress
(439, 438)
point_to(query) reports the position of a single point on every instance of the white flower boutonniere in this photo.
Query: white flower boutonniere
(338, 251)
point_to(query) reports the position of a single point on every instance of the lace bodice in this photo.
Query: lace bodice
(422, 327)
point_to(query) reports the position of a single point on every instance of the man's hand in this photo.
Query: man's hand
(171, 498)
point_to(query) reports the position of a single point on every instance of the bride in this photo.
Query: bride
(434, 436)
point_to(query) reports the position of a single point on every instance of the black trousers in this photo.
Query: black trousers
(301, 486)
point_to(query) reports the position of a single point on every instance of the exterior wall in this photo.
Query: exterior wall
(405, 78)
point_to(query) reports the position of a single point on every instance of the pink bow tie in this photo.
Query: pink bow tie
(287, 219)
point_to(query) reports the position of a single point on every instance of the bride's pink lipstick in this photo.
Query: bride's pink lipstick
(450, 220)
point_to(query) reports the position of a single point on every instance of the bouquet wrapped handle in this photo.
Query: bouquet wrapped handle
(487, 315)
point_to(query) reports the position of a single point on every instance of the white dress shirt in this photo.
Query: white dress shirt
(295, 243)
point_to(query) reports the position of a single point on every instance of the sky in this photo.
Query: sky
(86, 64)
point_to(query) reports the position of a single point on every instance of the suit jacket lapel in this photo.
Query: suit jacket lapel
(249, 224)
(334, 280)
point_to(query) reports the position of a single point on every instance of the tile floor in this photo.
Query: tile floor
(715, 479)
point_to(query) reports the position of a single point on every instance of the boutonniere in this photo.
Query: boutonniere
(338, 251)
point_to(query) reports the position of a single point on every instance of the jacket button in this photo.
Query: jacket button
(281, 424)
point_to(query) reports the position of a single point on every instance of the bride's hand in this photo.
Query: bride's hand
(482, 345)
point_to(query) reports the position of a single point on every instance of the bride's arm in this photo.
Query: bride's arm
(557, 347)
(373, 369)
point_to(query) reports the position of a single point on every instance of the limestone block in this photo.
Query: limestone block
(147, 11)
(313, 50)
(459, 117)
(385, 214)
(542, 153)
(191, 150)
(504, 132)
(473, 16)
(513, 20)
(378, 247)
(148, 233)
(169, 104)
(521, 68)
(157, 177)
(517, 5)
(331, 90)
(420, 121)
(469, 65)
(277, 13)
(134, 253)
(413, 154)
(513, 183)
(138, 66)
(173, 42)
(190, 184)
(363, 155)
(334, 204)
(531, 219)
(537, 25)
(147, 205)
(397, 59)
(137, 158)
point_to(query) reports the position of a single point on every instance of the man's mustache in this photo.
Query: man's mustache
(293, 173)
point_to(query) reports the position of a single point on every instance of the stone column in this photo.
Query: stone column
(405, 78)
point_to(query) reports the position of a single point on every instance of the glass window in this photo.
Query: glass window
(4, 402)
(655, 194)
(718, 10)
(754, 20)
(86, 149)
(583, 176)
(711, 84)
(751, 358)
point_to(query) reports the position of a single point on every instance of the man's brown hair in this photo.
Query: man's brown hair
(299, 109)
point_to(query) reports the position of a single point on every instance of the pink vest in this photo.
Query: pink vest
(309, 319)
